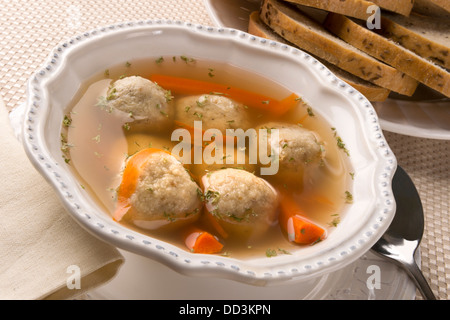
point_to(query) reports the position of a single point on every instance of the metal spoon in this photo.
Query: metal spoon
(402, 238)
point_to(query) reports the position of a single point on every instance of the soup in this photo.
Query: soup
(225, 162)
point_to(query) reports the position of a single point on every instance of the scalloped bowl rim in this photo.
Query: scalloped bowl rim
(379, 166)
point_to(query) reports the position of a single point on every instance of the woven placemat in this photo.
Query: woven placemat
(30, 29)
(427, 163)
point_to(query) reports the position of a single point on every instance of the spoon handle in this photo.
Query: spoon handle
(416, 274)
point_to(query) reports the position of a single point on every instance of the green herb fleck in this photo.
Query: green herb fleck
(201, 104)
(283, 251)
(65, 146)
(348, 197)
(168, 95)
(200, 195)
(271, 253)
(336, 220)
(199, 115)
(341, 145)
(67, 121)
(96, 138)
(111, 94)
(186, 59)
(169, 216)
(212, 196)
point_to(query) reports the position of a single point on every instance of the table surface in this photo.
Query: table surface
(30, 29)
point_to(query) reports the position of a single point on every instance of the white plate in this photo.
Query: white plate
(414, 118)
(137, 281)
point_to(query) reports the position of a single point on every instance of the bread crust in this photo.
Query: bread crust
(310, 36)
(389, 52)
(360, 9)
(371, 91)
(433, 8)
(428, 37)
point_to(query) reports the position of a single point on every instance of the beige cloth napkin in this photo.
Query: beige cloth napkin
(44, 253)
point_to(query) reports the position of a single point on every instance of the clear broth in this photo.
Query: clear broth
(98, 145)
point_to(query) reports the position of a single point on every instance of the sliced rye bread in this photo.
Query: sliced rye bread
(403, 7)
(428, 37)
(371, 91)
(433, 8)
(294, 26)
(389, 52)
(360, 9)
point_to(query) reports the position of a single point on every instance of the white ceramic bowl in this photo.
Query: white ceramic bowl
(52, 88)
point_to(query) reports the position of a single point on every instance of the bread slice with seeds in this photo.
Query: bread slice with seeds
(429, 37)
(361, 9)
(432, 8)
(371, 91)
(389, 52)
(294, 26)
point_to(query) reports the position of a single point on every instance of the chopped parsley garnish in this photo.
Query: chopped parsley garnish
(186, 59)
(336, 220)
(271, 253)
(96, 138)
(213, 196)
(348, 197)
(168, 95)
(341, 145)
(199, 115)
(67, 121)
(112, 94)
(340, 142)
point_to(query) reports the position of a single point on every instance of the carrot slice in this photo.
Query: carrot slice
(303, 231)
(129, 180)
(215, 224)
(286, 104)
(292, 220)
(252, 99)
(200, 241)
